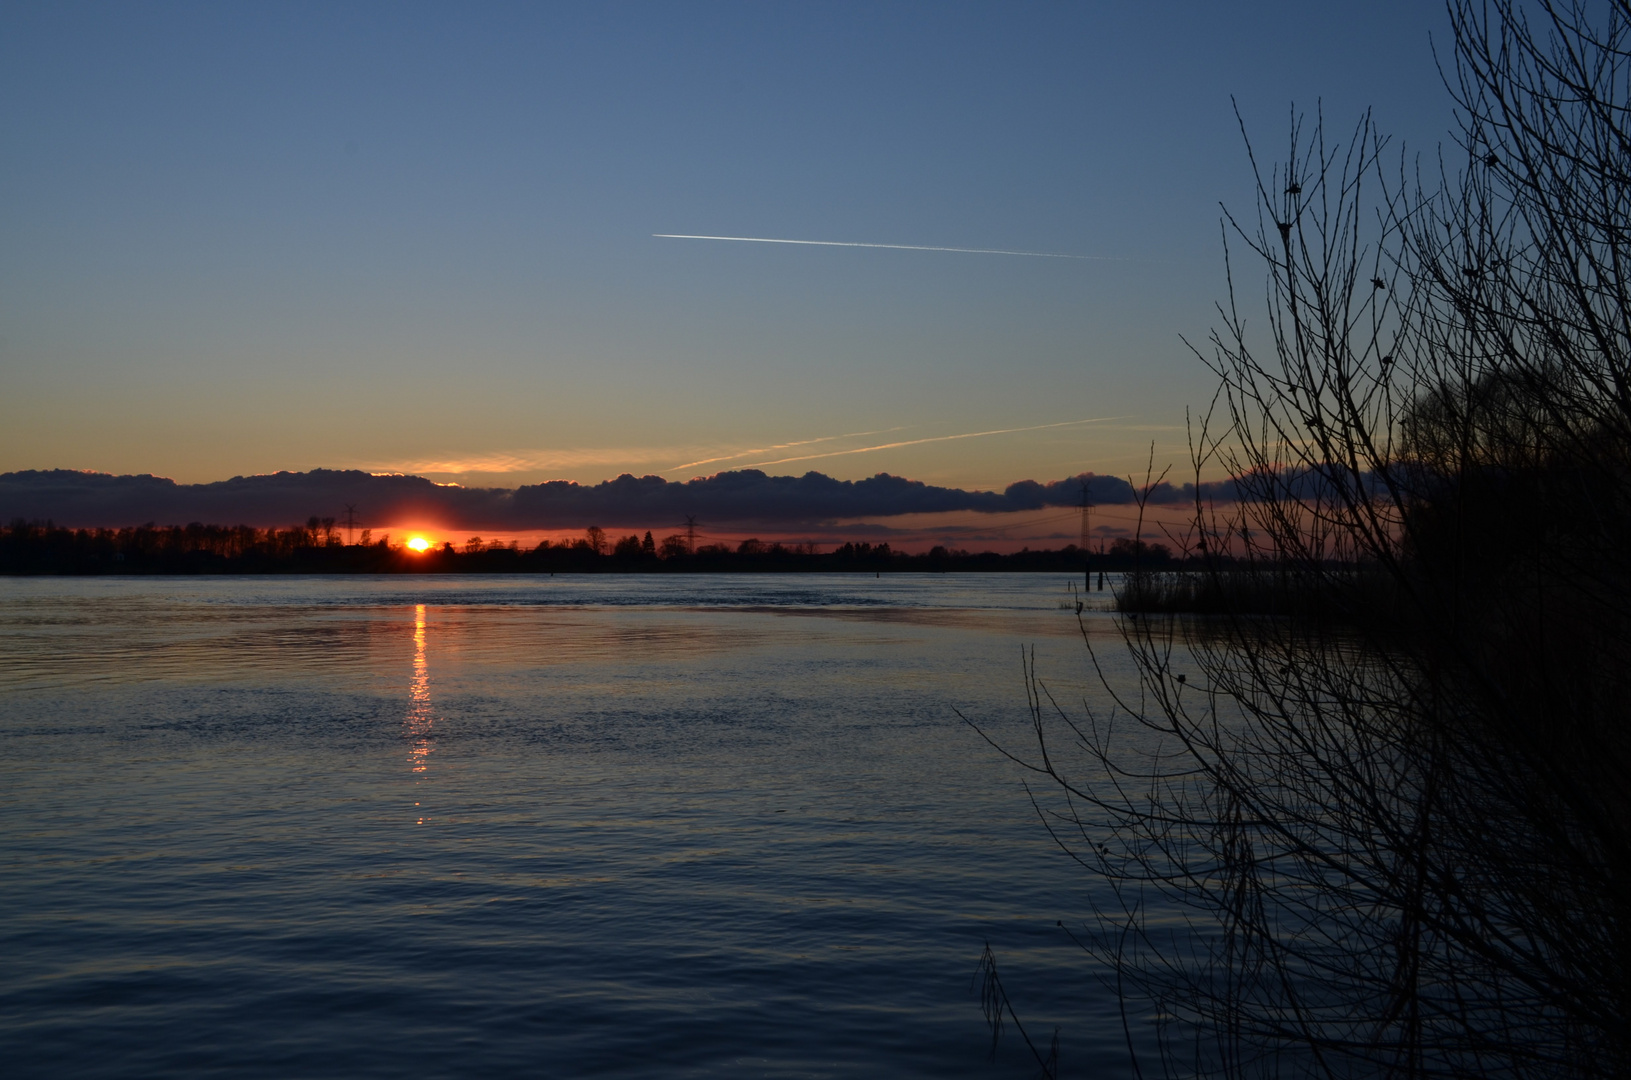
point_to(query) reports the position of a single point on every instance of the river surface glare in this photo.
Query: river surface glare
(618, 826)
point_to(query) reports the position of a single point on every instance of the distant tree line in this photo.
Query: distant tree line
(318, 547)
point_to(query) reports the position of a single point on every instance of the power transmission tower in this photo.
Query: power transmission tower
(1087, 536)
(350, 523)
(1087, 517)
(690, 535)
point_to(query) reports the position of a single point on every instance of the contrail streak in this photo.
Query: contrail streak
(936, 438)
(779, 446)
(894, 247)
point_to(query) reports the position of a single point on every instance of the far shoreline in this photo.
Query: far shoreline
(29, 550)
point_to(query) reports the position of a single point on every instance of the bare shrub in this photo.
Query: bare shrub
(1389, 833)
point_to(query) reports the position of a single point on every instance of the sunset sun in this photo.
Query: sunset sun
(419, 543)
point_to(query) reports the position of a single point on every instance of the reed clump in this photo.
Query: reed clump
(1273, 591)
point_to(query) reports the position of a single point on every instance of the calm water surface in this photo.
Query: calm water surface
(575, 826)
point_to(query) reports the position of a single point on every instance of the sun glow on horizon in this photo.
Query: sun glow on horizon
(419, 543)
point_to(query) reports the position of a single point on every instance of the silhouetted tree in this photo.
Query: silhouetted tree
(1127, 547)
(1390, 833)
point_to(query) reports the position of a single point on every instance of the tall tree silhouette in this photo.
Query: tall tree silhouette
(1389, 833)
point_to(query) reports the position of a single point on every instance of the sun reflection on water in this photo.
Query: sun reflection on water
(417, 724)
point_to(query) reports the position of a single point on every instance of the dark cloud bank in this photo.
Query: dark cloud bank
(745, 498)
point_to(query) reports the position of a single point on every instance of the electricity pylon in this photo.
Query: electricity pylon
(1087, 537)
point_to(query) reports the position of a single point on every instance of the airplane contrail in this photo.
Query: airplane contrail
(895, 247)
(935, 438)
(779, 446)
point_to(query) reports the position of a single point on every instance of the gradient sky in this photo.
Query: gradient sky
(236, 239)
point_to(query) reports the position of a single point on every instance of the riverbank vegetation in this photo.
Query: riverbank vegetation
(1397, 841)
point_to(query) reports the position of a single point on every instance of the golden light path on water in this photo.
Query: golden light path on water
(419, 720)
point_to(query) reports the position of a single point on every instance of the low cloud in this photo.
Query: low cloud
(743, 498)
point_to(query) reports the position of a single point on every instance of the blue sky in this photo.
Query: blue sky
(412, 237)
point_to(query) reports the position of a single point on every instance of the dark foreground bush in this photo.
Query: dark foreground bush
(1397, 843)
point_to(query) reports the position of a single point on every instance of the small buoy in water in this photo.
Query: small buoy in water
(1181, 678)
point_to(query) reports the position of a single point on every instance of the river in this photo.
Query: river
(618, 826)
